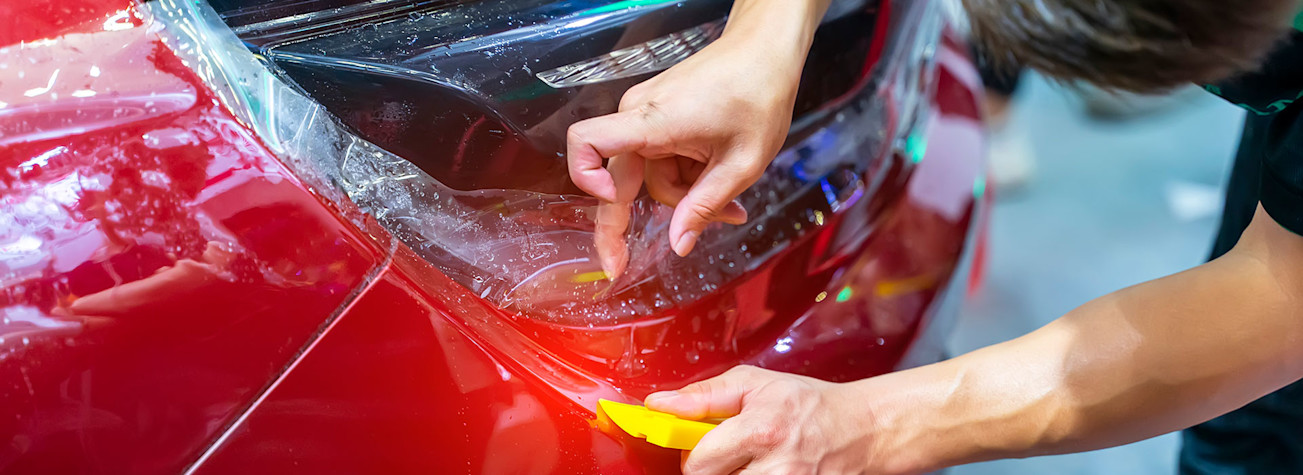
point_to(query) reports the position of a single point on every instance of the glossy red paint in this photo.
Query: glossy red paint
(398, 387)
(174, 297)
(30, 20)
(420, 376)
(159, 266)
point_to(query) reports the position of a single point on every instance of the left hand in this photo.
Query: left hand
(700, 133)
(778, 423)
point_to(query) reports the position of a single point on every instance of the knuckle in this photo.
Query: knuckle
(792, 395)
(578, 133)
(649, 109)
(792, 387)
(702, 211)
(651, 113)
(699, 387)
(750, 169)
(743, 370)
(635, 95)
(631, 99)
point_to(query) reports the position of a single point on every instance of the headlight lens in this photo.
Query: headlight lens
(653, 56)
(532, 252)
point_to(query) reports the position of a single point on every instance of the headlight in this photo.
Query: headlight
(506, 88)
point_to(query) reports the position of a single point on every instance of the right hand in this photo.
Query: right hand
(698, 135)
(777, 423)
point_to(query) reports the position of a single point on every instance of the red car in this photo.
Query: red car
(337, 236)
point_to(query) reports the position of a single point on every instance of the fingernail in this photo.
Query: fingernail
(686, 241)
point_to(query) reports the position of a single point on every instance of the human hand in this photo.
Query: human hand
(777, 423)
(698, 134)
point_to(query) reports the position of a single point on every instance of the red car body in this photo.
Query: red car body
(177, 298)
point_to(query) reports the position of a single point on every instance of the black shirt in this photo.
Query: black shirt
(1269, 165)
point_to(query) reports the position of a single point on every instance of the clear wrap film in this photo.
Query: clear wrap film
(532, 252)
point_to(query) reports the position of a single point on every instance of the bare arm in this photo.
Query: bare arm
(1137, 363)
(1144, 361)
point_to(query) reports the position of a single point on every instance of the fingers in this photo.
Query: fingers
(751, 435)
(618, 136)
(721, 451)
(590, 141)
(698, 200)
(669, 180)
(612, 250)
(724, 449)
(663, 181)
(720, 396)
(612, 219)
(626, 172)
(708, 199)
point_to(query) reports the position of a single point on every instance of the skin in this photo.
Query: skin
(700, 133)
(1134, 364)
(1137, 363)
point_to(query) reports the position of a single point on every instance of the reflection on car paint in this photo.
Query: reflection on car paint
(157, 265)
(178, 284)
(460, 419)
(527, 251)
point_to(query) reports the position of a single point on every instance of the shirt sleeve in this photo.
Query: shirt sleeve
(1273, 96)
(1281, 187)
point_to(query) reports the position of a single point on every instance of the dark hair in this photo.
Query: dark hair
(1137, 45)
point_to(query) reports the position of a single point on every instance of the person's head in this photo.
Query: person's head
(1138, 45)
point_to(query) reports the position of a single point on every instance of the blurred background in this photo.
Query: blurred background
(1095, 193)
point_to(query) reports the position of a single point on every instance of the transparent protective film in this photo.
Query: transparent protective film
(532, 252)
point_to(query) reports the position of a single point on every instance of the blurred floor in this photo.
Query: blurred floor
(1111, 204)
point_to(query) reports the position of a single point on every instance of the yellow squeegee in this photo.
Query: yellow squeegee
(659, 428)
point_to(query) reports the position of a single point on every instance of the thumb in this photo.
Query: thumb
(720, 396)
(590, 141)
(710, 199)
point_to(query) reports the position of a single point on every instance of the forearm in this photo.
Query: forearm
(1144, 361)
(782, 30)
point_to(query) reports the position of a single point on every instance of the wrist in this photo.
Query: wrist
(805, 14)
(906, 414)
(777, 30)
(889, 450)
